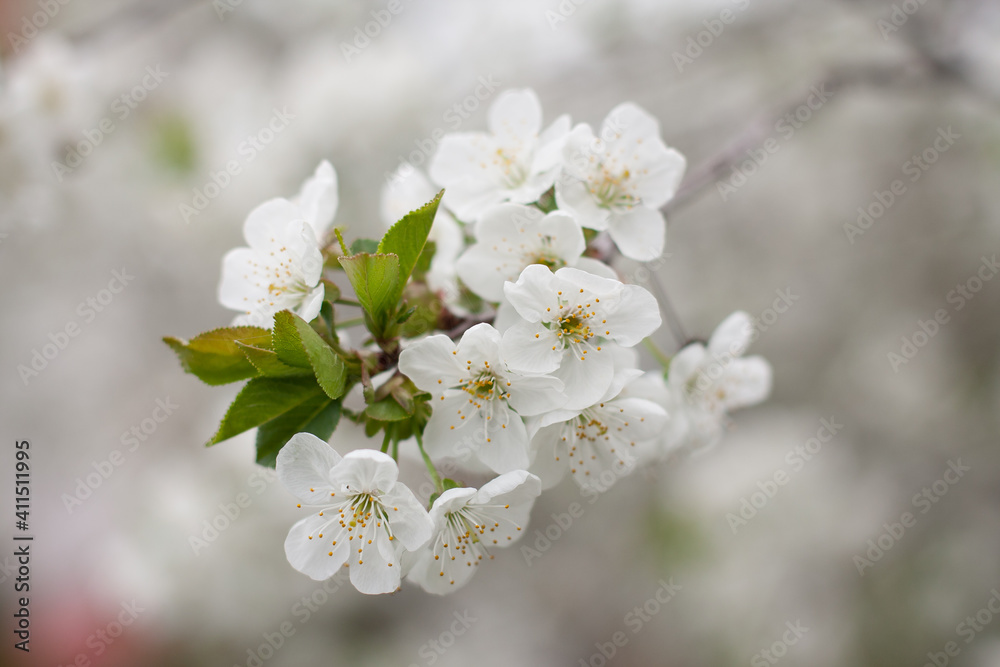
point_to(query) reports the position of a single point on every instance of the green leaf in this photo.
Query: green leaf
(287, 342)
(406, 238)
(387, 410)
(269, 365)
(364, 245)
(424, 261)
(330, 369)
(318, 416)
(326, 315)
(375, 279)
(264, 399)
(372, 427)
(215, 356)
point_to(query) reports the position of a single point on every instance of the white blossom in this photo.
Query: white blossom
(515, 161)
(468, 524)
(280, 269)
(318, 200)
(360, 516)
(705, 383)
(282, 265)
(510, 237)
(571, 322)
(602, 442)
(477, 403)
(618, 181)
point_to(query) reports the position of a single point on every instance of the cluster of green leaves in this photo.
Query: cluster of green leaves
(298, 373)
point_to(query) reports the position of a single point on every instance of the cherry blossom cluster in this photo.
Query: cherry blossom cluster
(528, 369)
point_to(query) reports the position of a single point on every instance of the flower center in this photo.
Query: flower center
(574, 327)
(482, 387)
(589, 428)
(514, 172)
(612, 190)
(297, 287)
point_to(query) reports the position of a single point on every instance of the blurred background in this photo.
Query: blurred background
(796, 118)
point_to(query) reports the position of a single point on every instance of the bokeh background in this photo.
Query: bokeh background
(892, 86)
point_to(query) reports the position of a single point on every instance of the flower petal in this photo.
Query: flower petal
(573, 196)
(532, 395)
(484, 270)
(517, 488)
(430, 364)
(684, 366)
(447, 434)
(586, 378)
(408, 519)
(312, 304)
(636, 316)
(376, 570)
(319, 199)
(529, 347)
(532, 293)
(664, 172)
(594, 266)
(516, 116)
(549, 463)
(506, 446)
(639, 233)
(235, 290)
(732, 337)
(365, 471)
(747, 383)
(478, 344)
(304, 465)
(269, 221)
(551, 143)
(312, 556)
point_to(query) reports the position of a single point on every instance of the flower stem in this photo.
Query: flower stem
(385, 443)
(656, 352)
(348, 302)
(349, 323)
(430, 466)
